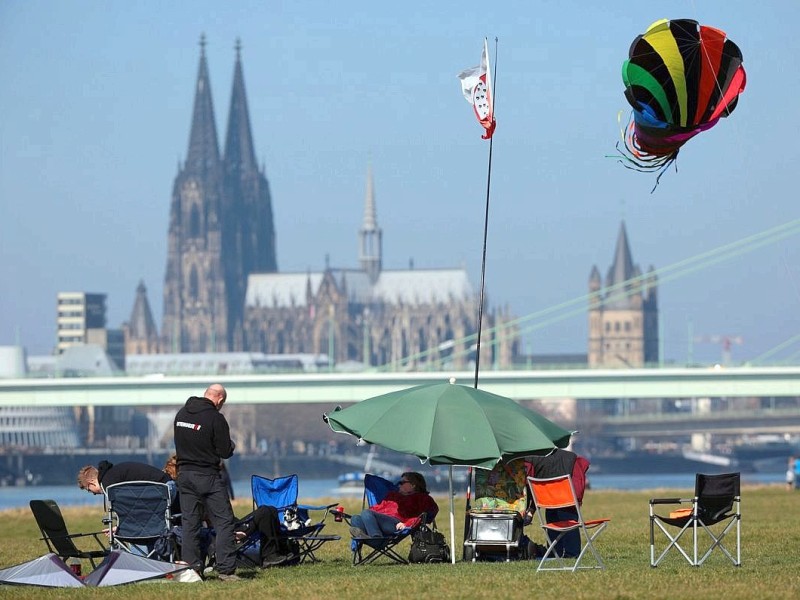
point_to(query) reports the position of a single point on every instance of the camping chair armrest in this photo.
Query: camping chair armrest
(669, 500)
(422, 519)
(326, 507)
(95, 534)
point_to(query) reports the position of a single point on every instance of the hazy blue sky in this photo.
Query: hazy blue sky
(96, 101)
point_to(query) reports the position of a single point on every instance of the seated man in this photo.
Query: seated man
(556, 463)
(273, 542)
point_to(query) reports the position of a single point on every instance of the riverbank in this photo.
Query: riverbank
(313, 489)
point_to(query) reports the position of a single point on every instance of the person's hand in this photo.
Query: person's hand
(400, 526)
(240, 535)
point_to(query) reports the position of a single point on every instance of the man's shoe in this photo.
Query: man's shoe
(227, 577)
(277, 559)
(357, 532)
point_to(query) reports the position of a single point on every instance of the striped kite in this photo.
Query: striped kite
(680, 78)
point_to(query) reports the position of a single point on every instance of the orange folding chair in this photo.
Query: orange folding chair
(559, 493)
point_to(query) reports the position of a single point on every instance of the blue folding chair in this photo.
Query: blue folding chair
(140, 520)
(368, 549)
(296, 521)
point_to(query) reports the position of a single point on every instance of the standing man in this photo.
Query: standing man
(202, 440)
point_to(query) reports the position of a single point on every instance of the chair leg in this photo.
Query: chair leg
(590, 546)
(673, 541)
(717, 541)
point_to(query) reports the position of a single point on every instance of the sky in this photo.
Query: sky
(96, 103)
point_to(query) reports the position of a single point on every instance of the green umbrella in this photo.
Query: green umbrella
(450, 424)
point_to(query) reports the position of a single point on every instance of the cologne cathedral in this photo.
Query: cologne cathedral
(223, 291)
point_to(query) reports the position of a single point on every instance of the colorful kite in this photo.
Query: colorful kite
(681, 79)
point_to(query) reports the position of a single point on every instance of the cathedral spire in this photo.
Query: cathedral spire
(370, 254)
(203, 155)
(622, 268)
(239, 153)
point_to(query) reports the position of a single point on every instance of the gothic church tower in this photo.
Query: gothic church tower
(220, 227)
(623, 315)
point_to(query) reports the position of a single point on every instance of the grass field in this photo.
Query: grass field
(770, 557)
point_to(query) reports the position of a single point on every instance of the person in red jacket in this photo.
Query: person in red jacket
(398, 510)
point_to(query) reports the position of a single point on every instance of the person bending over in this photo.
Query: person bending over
(96, 479)
(398, 510)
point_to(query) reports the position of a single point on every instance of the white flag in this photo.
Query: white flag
(476, 85)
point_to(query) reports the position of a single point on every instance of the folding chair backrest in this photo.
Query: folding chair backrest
(54, 530)
(716, 493)
(139, 509)
(501, 488)
(555, 492)
(280, 492)
(376, 488)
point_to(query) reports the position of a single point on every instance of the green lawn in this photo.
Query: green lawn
(770, 556)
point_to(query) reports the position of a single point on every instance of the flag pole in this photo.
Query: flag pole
(485, 228)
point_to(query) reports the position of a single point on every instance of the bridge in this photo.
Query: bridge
(336, 388)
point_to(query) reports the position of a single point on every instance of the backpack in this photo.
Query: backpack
(428, 546)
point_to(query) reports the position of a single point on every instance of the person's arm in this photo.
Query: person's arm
(222, 438)
(579, 476)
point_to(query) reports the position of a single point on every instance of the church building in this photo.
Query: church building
(623, 313)
(223, 291)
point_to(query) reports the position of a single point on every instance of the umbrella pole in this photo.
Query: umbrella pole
(452, 521)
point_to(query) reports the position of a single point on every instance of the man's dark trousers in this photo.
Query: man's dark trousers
(199, 491)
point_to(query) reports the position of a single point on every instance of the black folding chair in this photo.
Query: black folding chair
(58, 539)
(716, 501)
(139, 518)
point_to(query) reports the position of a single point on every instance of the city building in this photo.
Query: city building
(623, 312)
(81, 320)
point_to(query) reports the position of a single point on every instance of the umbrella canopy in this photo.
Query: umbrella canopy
(450, 424)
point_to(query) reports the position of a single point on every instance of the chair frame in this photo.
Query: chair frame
(559, 492)
(309, 538)
(697, 523)
(385, 546)
(137, 544)
(474, 547)
(57, 537)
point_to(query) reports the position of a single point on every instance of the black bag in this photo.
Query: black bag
(428, 546)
